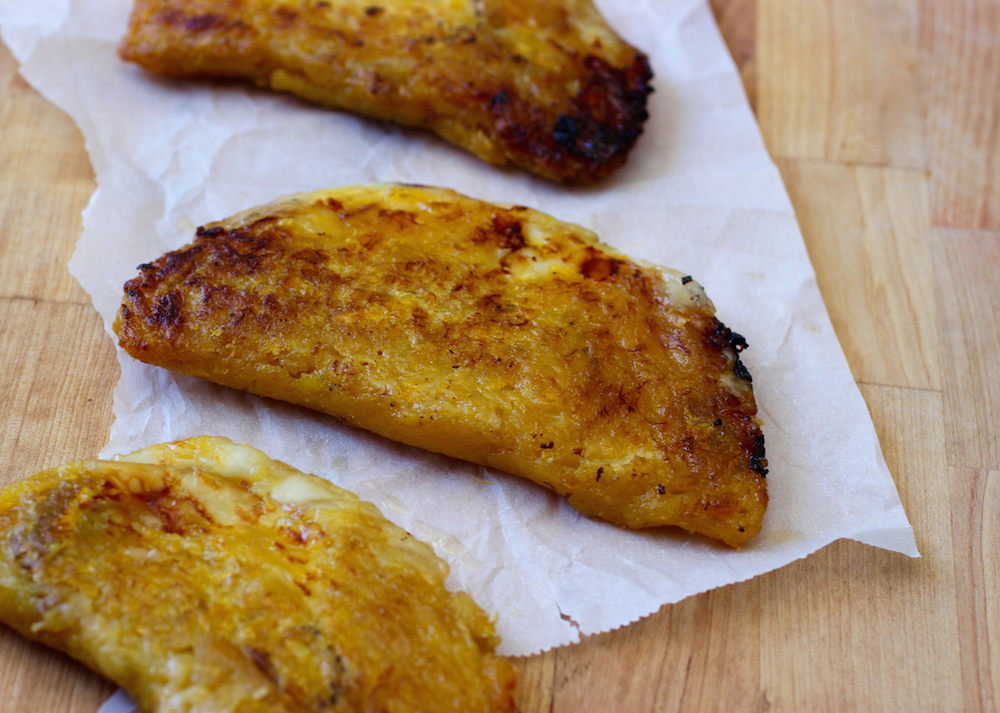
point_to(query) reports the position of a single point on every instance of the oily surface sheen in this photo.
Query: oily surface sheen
(497, 335)
(202, 576)
(545, 85)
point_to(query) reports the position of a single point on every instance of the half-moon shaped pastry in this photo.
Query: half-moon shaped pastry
(494, 334)
(545, 85)
(203, 576)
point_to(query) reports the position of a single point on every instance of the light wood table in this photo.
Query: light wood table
(884, 118)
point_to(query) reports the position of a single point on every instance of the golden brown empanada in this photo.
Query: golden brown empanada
(495, 334)
(545, 85)
(203, 576)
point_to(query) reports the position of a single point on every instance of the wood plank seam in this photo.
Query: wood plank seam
(915, 389)
(969, 517)
(47, 300)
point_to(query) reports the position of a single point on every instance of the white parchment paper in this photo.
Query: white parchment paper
(699, 194)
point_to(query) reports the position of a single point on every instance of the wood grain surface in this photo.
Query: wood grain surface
(884, 119)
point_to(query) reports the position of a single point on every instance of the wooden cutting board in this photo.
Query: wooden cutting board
(884, 118)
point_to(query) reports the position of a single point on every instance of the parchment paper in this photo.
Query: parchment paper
(699, 194)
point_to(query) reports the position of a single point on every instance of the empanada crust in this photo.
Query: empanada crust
(201, 575)
(545, 85)
(499, 335)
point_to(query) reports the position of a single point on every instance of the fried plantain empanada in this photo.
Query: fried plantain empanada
(545, 85)
(494, 334)
(203, 576)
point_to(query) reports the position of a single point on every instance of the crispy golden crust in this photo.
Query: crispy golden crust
(542, 84)
(203, 576)
(497, 335)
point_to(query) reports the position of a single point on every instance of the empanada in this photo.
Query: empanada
(545, 85)
(203, 576)
(494, 334)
